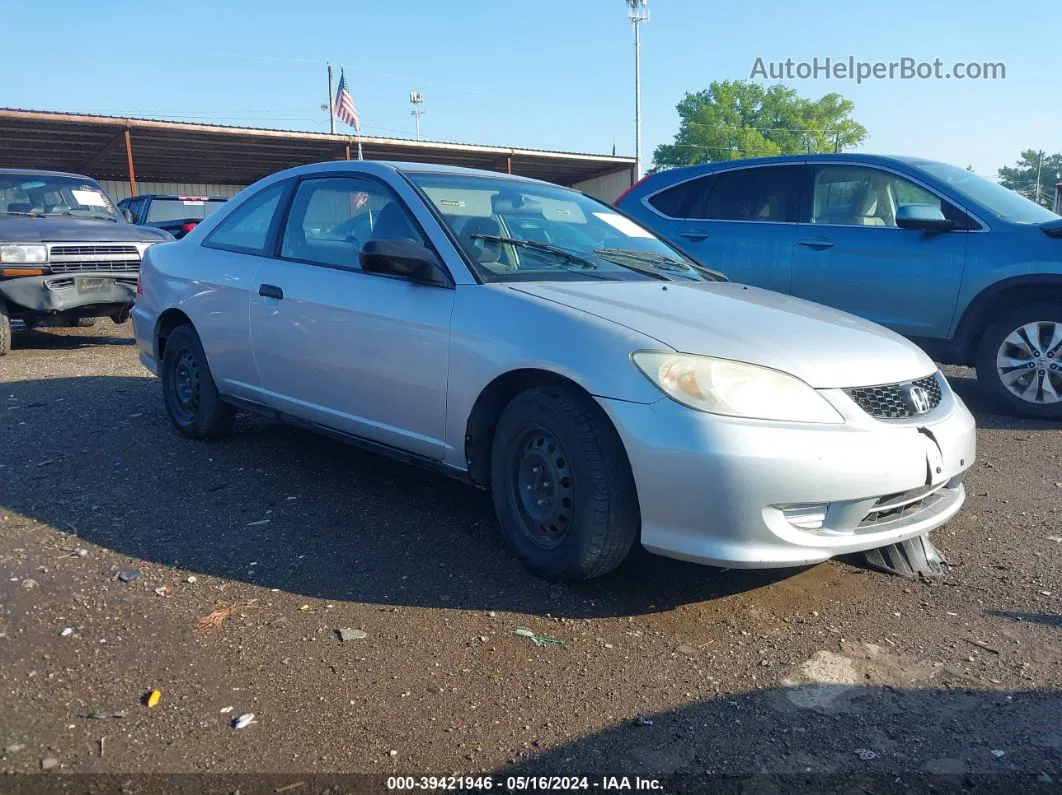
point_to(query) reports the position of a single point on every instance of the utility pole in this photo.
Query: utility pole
(417, 99)
(331, 104)
(637, 13)
(1039, 167)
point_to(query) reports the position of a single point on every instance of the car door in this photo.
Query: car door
(220, 278)
(743, 222)
(362, 353)
(850, 253)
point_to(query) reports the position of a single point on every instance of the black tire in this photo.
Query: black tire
(1050, 362)
(5, 329)
(583, 522)
(188, 388)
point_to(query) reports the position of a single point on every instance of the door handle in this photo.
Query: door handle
(694, 234)
(816, 242)
(270, 291)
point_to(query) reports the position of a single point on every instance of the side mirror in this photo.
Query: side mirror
(127, 214)
(923, 216)
(404, 258)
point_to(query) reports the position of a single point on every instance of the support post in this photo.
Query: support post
(129, 162)
(331, 104)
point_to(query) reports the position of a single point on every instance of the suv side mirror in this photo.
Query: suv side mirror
(404, 258)
(923, 216)
(127, 214)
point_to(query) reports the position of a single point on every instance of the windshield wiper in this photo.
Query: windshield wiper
(659, 261)
(28, 215)
(98, 216)
(568, 256)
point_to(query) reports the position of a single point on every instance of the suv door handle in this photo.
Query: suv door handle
(694, 234)
(271, 291)
(816, 242)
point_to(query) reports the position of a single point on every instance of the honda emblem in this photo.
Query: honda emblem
(918, 399)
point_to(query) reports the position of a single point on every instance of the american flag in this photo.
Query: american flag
(344, 104)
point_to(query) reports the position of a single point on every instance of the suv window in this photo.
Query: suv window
(863, 196)
(331, 217)
(246, 229)
(763, 193)
(676, 202)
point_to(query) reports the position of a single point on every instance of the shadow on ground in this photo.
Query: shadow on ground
(40, 339)
(98, 456)
(832, 738)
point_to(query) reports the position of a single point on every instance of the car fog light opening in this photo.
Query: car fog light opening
(807, 517)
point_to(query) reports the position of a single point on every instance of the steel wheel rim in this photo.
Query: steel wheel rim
(1029, 362)
(542, 487)
(186, 381)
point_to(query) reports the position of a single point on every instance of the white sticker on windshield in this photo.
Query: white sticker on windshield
(89, 198)
(621, 224)
(193, 202)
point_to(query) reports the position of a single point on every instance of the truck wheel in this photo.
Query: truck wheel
(5, 329)
(1019, 361)
(192, 399)
(562, 485)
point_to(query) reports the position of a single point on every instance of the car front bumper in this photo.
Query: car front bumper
(737, 493)
(63, 292)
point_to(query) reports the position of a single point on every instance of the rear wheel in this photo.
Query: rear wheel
(188, 388)
(5, 329)
(1019, 361)
(562, 486)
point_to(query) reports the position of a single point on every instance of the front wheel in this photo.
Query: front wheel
(562, 485)
(1019, 361)
(188, 388)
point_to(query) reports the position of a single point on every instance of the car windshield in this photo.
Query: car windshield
(182, 208)
(513, 230)
(45, 196)
(1004, 202)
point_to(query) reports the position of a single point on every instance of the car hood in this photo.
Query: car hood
(823, 347)
(23, 229)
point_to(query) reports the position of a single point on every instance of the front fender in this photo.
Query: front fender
(496, 330)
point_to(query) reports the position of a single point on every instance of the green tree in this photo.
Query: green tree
(734, 119)
(1021, 177)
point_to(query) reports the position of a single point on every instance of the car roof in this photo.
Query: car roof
(199, 196)
(40, 172)
(674, 174)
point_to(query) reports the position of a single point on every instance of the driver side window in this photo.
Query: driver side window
(331, 218)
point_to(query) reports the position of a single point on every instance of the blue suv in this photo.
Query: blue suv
(967, 269)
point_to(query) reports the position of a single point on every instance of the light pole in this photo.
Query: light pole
(417, 99)
(637, 13)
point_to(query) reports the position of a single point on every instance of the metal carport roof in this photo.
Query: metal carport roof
(109, 147)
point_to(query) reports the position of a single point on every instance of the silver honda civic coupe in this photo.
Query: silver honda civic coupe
(531, 340)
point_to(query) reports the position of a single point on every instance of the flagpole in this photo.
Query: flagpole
(331, 103)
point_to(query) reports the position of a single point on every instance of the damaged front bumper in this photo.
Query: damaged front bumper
(108, 292)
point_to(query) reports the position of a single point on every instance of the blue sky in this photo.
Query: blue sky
(546, 75)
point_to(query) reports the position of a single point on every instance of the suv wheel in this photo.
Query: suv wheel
(562, 485)
(188, 389)
(5, 329)
(1019, 361)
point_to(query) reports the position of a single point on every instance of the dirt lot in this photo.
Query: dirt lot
(807, 675)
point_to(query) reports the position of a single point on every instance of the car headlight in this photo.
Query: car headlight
(736, 389)
(23, 253)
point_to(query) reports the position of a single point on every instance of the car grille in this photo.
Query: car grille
(902, 504)
(890, 402)
(87, 257)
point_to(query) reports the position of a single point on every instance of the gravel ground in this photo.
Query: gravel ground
(667, 669)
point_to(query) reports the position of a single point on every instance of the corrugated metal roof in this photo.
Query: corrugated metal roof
(189, 151)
